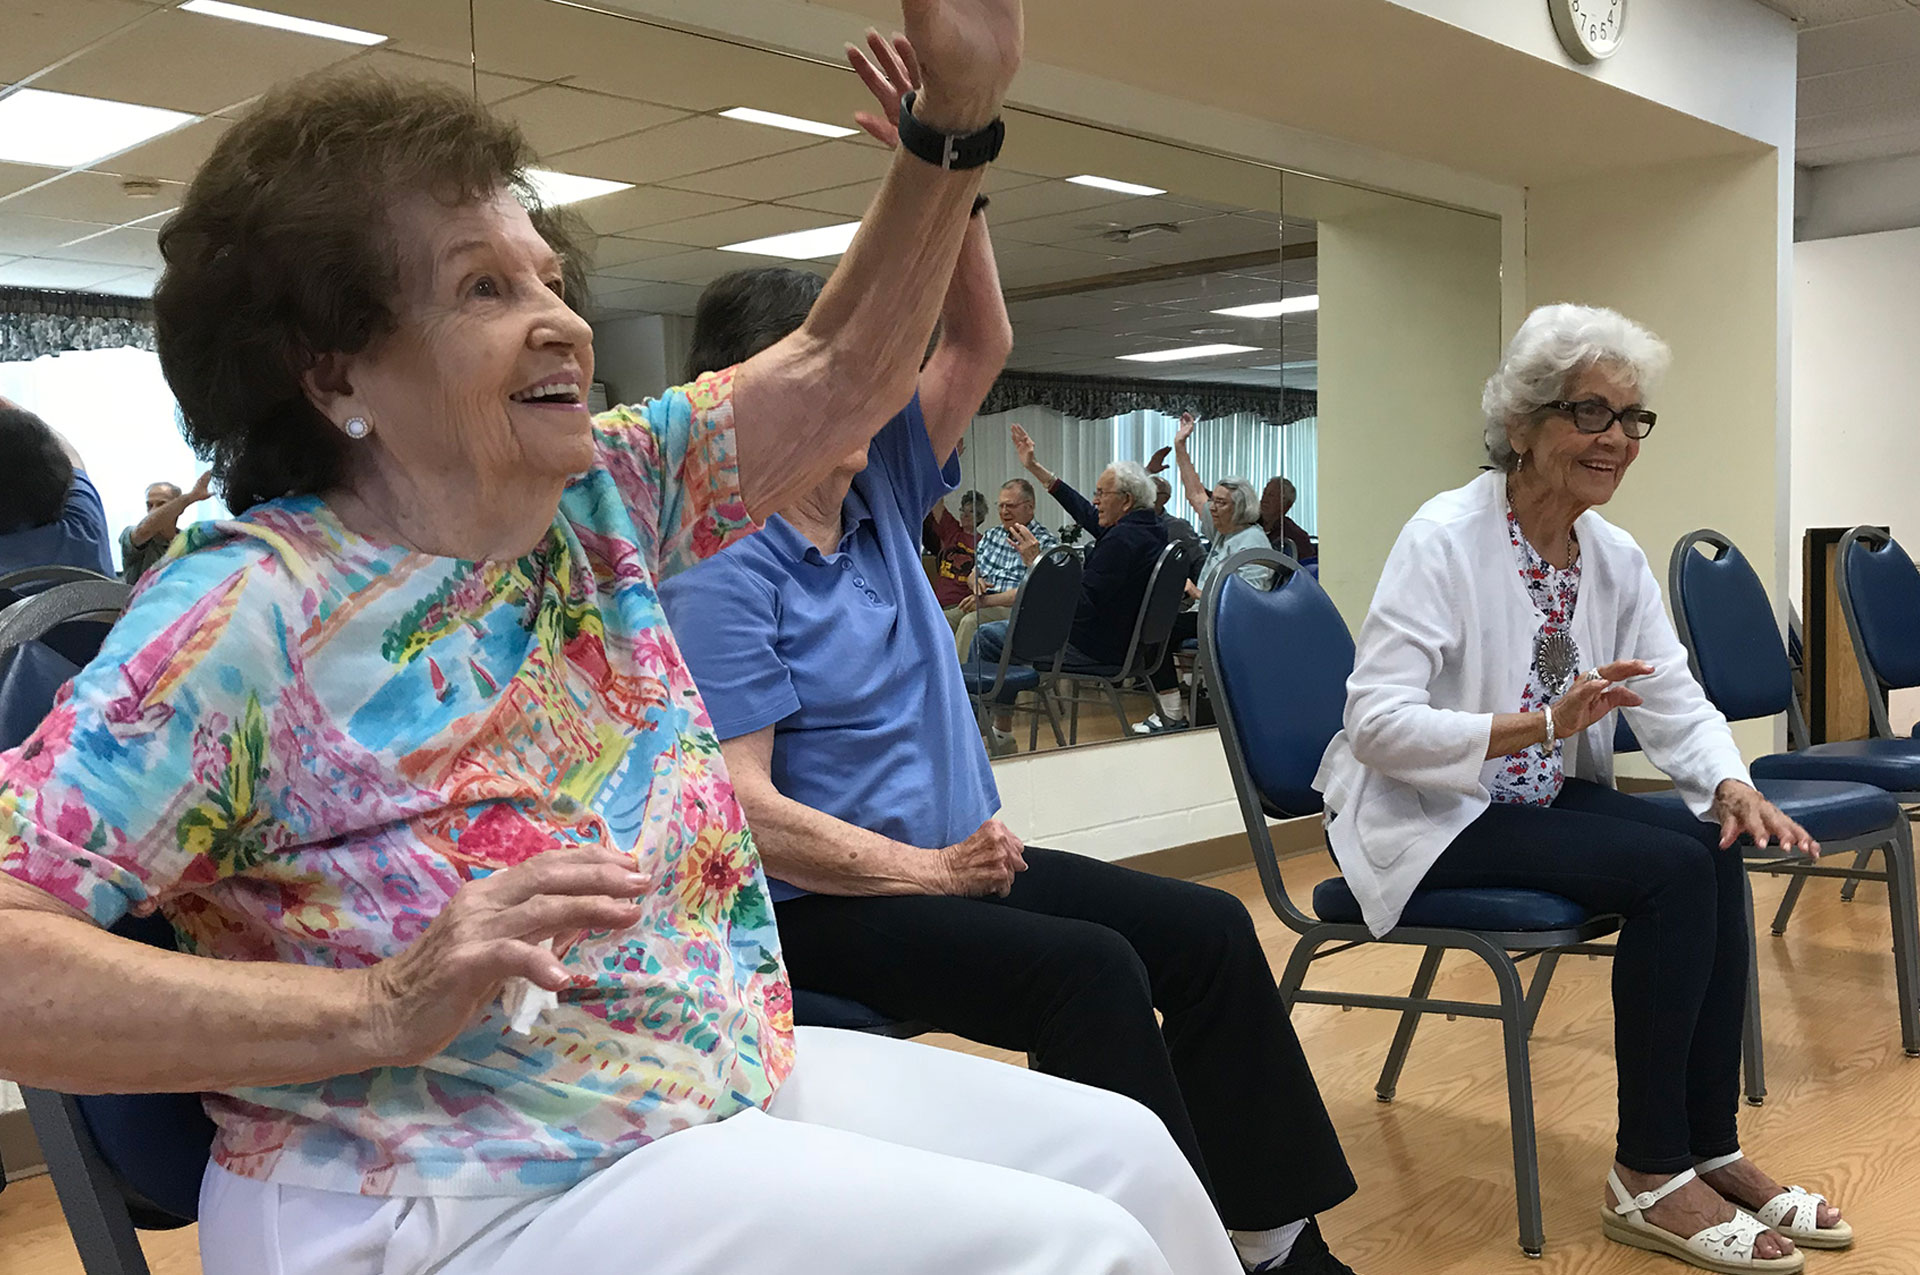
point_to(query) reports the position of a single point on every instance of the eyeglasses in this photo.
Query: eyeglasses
(1592, 416)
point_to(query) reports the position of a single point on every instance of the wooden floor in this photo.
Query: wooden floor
(1436, 1189)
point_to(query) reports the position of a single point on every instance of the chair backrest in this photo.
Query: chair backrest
(1727, 625)
(1880, 601)
(27, 580)
(1276, 662)
(1159, 607)
(1043, 610)
(34, 618)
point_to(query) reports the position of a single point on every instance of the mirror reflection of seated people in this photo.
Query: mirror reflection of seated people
(1128, 538)
(1283, 533)
(1179, 530)
(1000, 562)
(1230, 516)
(951, 543)
(850, 739)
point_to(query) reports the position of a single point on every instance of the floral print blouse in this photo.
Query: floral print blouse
(299, 742)
(1533, 777)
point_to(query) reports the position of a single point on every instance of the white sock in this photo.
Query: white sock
(1255, 1247)
(1172, 707)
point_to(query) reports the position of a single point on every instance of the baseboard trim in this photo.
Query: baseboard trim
(18, 1150)
(1201, 859)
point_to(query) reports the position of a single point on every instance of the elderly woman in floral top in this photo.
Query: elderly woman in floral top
(1510, 623)
(408, 750)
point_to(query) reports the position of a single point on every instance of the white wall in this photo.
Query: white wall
(630, 356)
(1859, 198)
(1856, 435)
(1119, 799)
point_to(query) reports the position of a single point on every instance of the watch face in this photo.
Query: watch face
(1590, 29)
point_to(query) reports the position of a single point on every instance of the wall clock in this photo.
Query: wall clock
(1589, 29)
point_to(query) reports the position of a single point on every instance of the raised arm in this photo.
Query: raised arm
(810, 399)
(1190, 484)
(817, 852)
(165, 520)
(975, 334)
(1070, 500)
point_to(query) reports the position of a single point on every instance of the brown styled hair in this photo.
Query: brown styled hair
(281, 253)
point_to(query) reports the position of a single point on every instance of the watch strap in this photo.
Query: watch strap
(948, 151)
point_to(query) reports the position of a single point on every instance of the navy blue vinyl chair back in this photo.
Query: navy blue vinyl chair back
(1738, 656)
(1884, 590)
(1288, 705)
(1042, 618)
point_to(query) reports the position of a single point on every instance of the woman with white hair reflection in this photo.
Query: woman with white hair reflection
(1128, 538)
(1507, 627)
(1230, 520)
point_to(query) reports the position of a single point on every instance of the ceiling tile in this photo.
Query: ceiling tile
(41, 32)
(700, 266)
(850, 202)
(556, 118)
(457, 73)
(646, 206)
(139, 283)
(776, 177)
(30, 236)
(40, 272)
(1893, 121)
(189, 62)
(1887, 147)
(1849, 45)
(17, 177)
(1049, 198)
(1815, 13)
(753, 221)
(617, 250)
(91, 197)
(654, 298)
(127, 247)
(1030, 265)
(678, 149)
(174, 157)
(1866, 87)
(435, 28)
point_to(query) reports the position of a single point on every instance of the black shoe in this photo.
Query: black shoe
(1310, 1256)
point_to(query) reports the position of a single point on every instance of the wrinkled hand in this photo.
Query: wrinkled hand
(968, 51)
(1591, 699)
(1025, 543)
(1022, 444)
(1742, 811)
(1185, 431)
(890, 72)
(202, 489)
(1193, 590)
(1159, 461)
(494, 929)
(969, 603)
(984, 863)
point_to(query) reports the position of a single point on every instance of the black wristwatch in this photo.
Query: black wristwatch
(945, 151)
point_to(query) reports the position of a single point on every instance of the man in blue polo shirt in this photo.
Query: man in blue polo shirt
(820, 651)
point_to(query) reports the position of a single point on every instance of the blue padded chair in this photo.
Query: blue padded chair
(1880, 601)
(119, 1162)
(1152, 634)
(1037, 631)
(1846, 795)
(1276, 662)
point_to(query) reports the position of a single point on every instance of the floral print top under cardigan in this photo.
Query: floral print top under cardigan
(298, 743)
(1534, 778)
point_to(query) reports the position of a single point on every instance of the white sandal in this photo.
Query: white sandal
(1805, 1229)
(1724, 1247)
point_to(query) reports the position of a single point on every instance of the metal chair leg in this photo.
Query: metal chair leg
(1119, 709)
(1389, 1081)
(1526, 1154)
(1792, 896)
(1860, 860)
(1053, 716)
(1752, 1042)
(1537, 989)
(95, 1209)
(1905, 914)
(1296, 971)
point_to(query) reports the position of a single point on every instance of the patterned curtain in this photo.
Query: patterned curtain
(35, 323)
(1101, 398)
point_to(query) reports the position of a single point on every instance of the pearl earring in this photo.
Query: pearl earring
(357, 427)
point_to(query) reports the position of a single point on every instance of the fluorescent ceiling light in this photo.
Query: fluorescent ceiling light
(1108, 183)
(61, 130)
(556, 189)
(802, 245)
(265, 18)
(1188, 352)
(772, 119)
(1273, 309)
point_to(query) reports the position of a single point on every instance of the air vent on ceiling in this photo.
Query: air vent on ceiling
(1127, 234)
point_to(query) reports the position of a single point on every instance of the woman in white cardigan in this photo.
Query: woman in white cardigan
(1509, 623)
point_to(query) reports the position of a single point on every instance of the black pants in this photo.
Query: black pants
(1186, 625)
(1680, 971)
(1069, 968)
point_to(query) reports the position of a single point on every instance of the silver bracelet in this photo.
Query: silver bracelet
(1546, 745)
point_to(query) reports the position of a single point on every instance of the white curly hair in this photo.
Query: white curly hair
(1130, 477)
(1554, 346)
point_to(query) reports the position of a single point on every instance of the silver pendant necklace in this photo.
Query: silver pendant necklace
(1556, 657)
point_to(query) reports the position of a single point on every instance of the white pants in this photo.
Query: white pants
(877, 1157)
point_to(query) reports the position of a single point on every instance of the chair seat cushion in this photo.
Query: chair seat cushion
(1488, 909)
(979, 677)
(822, 1009)
(156, 1143)
(1830, 811)
(1091, 670)
(1892, 764)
